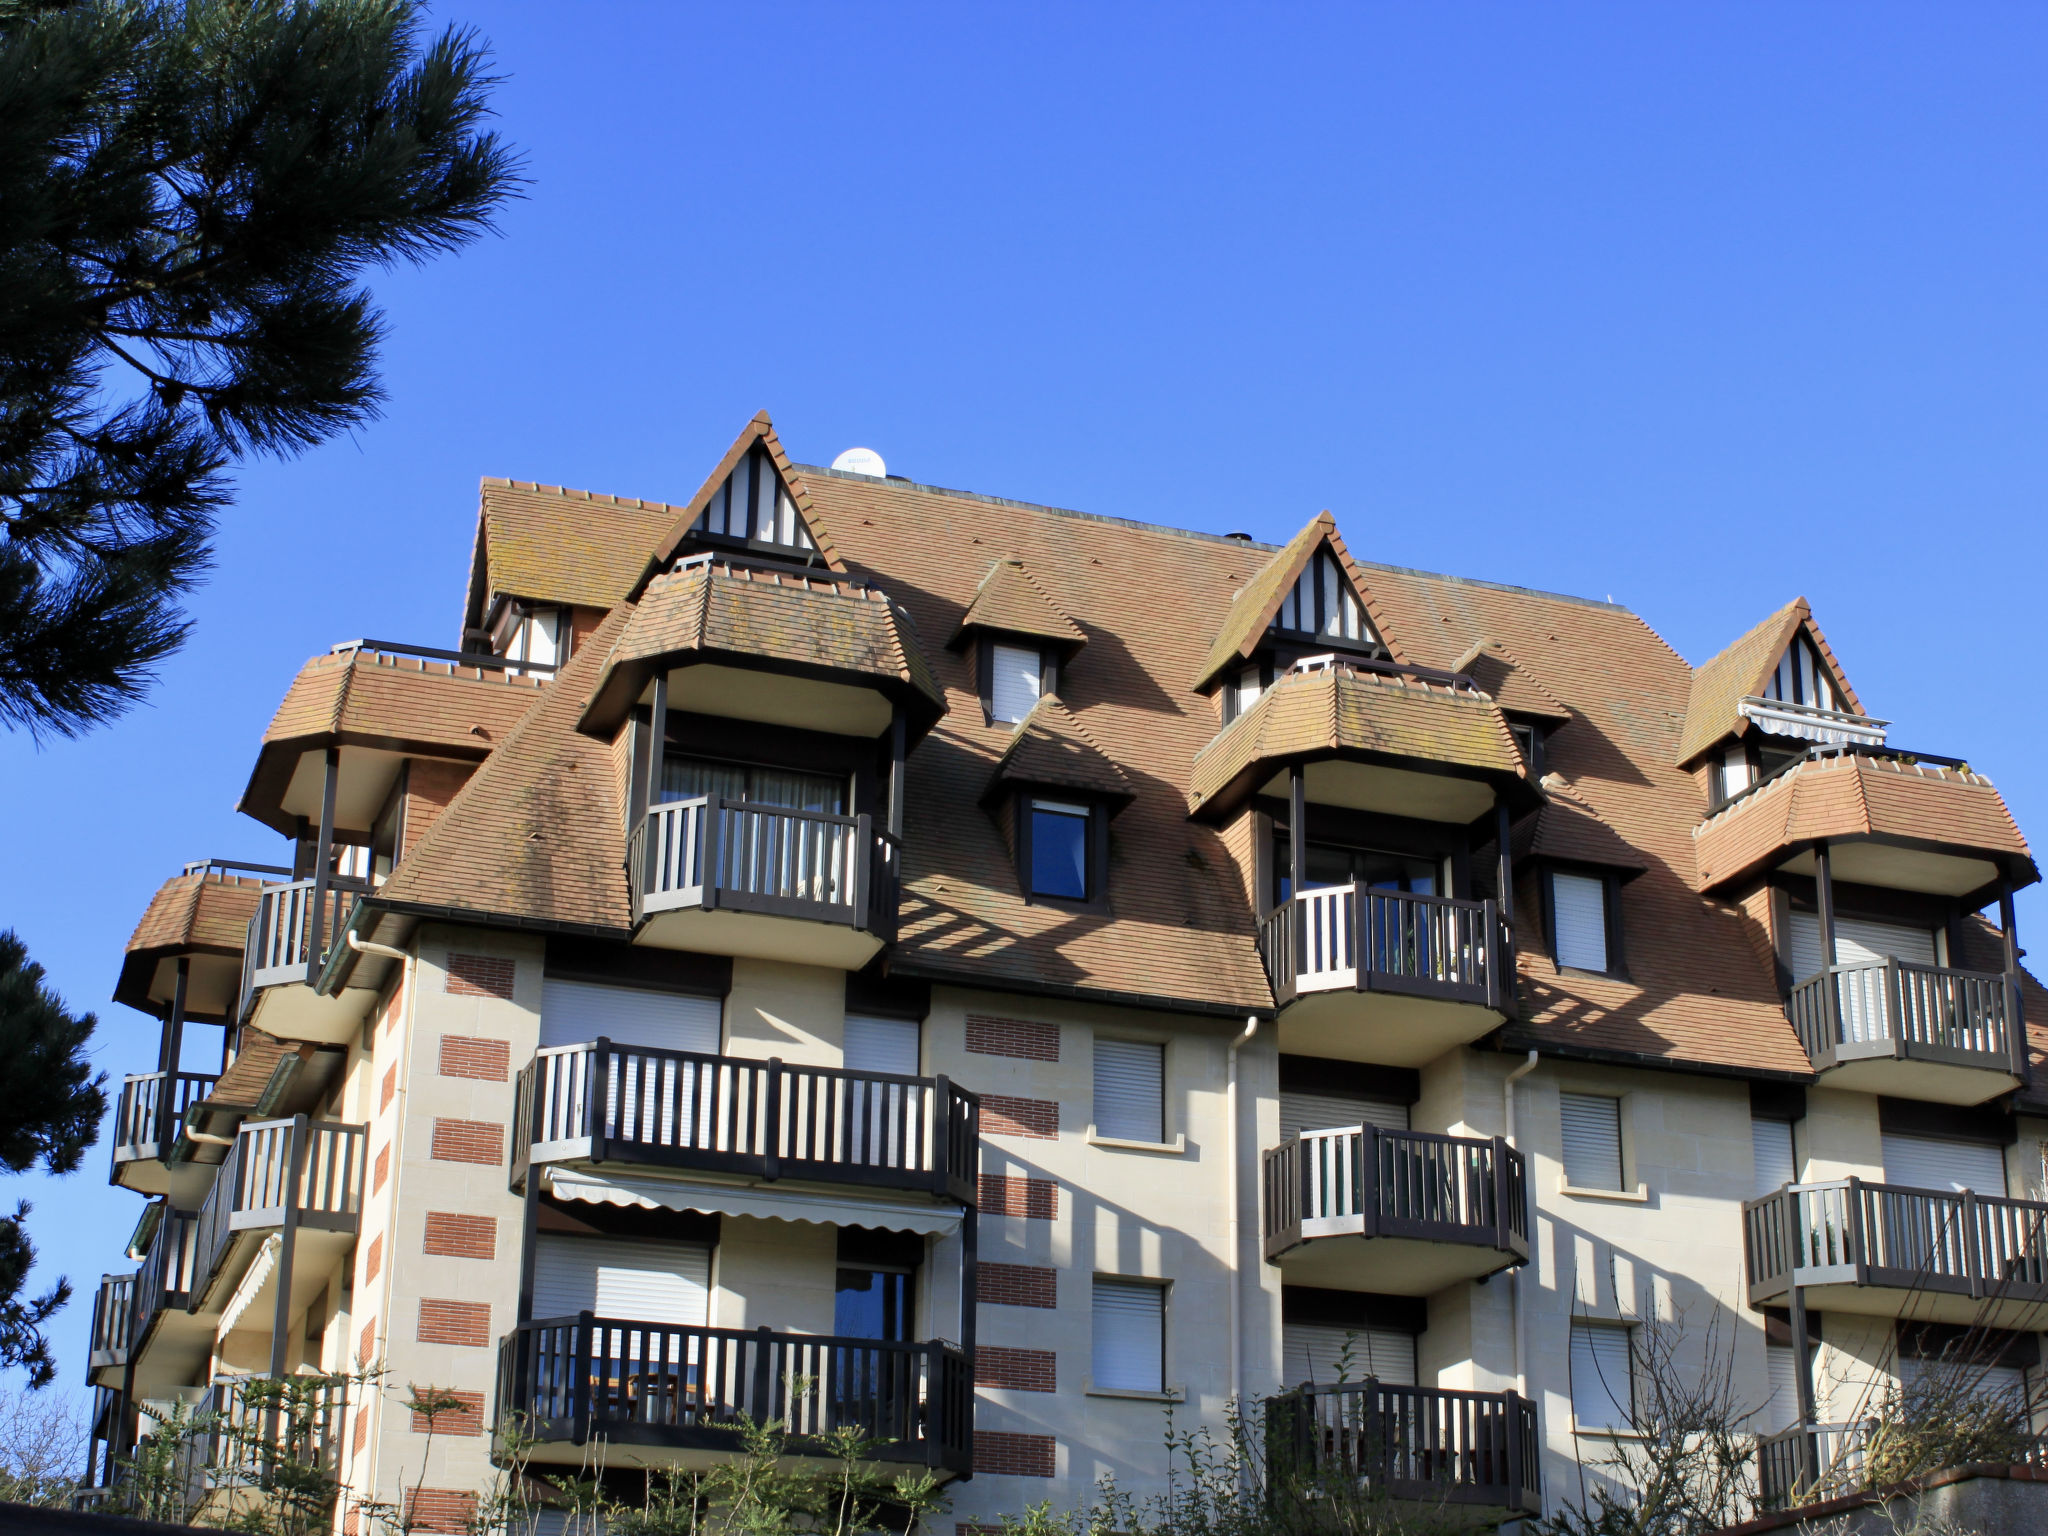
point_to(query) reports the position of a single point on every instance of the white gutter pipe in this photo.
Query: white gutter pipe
(1238, 1043)
(1507, 1101)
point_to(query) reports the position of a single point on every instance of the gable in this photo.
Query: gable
(754, 505)
(1311, 592)
(1324, 604)
(1802, 676)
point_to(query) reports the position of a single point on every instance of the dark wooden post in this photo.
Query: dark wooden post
(1824, 898)
(1802, 1383)
(597, 1119)
(2015, 1000)
(1503, 1228)
(1365, 1178)
(323, 869)
(169, 1053)
(1505, 863)
(761, 1410)
(942, 1135)
(1512, 1448)
(529, 1227)
(771, 1150)
(579, 1431)
(898, 737)
(1297, 834)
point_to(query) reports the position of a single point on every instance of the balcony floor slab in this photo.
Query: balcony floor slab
(639, 1445)
(760, 936)
(1934, 1082)
(1384, 1028)
(294, 1011)
(1392, 1266)
(1924, 1305)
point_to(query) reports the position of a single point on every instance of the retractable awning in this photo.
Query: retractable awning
(751, 1200)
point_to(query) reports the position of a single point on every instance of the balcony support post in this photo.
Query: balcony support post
(168, 1054)
(1802, 1387)
(771, 1130)
(2015, 1002)
(1512, 1448)
(1505, 873)
(1824, 898)
(529, 1226)
(898, 739)
(323, 869)
(1297, 832)
(288, 1242)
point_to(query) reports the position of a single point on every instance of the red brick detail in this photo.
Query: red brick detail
(439, 1509)
(488, 1061)
(366, 1343)
(1004, 1194)
(380, 1170)
(468, 1141)
(389, 1091)
(1021, 1038)
(454, 1322)
(1001, 1453)
(480, 976)
(362, 1431)
(456, 1236)
(373, 1258)
(351, 1518)
(1027, 1370)
(1017, 1285)
(1002, 1115)
(467, 1419)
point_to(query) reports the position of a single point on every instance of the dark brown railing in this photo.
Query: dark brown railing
(168, 1270)
(1361, 1181)
(586, 1378)
(113, 1321)
(311, 1169)
(1847, 1232)
(294, 926)
(768, 1119)
(238, 1436)
(1900, 1009)
(1824, 1461)
(733, 855)
(146, 1112)
(1428, 1443)
(1353, 937)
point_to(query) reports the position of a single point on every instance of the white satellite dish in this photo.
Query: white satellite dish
(862, 461)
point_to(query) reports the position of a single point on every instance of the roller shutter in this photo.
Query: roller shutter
(1327, 1111)
(1580, 904)
(1603, 1377)
(1130, 1090)
(572, 1012)
(1781, 1410)
(641, 1282)
(881, 1045)
(1591, 1124)
(1922, 1162)
(1856, 940)
(1774, 1163)
(1129, 1353)
(1315, 1352)
(2006, 1383)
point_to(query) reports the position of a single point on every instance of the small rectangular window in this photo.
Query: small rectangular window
(1772, 1140)
(1014, 676)
(1603, 1377)
(1059, 850)
(1130, 1090)
(1580, 906)
(1130, 1336)
(1592, 1140)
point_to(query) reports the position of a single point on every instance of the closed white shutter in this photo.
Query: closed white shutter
(1857, 940)
(1922, 1162)
(1774, 1166)
(1014, 681)
(881, 1045)
(2003, 1383)
(572, 1012)
(1603, 1385)
(1592, 1140)
(1781, 1410)
(1130, 1090)
(1327, 1111)
(640, 1282)
(1317, 1352)
(1581, 905)
(1130, 1337)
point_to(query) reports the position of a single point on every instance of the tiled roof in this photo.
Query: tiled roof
(1568, 828)
(1010, 601)
(1742, 670)
(1514, 687)
(1051, 748)
(551, 545)
(1339, 707)
(240, 1088)
(1858, 796)
(198, 911)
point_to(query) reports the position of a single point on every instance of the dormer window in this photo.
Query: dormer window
(1244, 690)
(1801, 677)
(1013, 679)
(1321, 603)
(525, 632)
(754, 507)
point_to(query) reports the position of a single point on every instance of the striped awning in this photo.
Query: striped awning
(832, 1210)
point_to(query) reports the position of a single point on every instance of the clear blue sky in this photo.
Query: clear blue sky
(1703, 307)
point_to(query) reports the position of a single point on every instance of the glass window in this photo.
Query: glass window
(1059, 850)
(1015, 672)
(684, 778)
(1130, 1337)
(1580, 904)
(1333, 864)
(873, 1304)
(1603, 1377)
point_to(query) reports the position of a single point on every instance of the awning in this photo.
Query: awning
(252, 1283)
(751, 1200)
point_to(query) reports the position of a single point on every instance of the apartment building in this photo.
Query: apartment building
(850, 952)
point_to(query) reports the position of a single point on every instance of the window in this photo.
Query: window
(870, 1303)
(524, 633)
(1730, 774)
(1529, 742)
(1603, 1377)
(685, 778)
(1775, 1168)
(1591, 1140)
(1130, 1090)
(1579, 921)
(1060, 857)
(1016, 677)
(1242, 692)
(1130, 1336)
(1332, 864)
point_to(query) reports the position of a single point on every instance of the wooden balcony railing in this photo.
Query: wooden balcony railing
(767, 1119)
(585, 1378)
(1847, 1232)
(1355, 938)
(1361, 1181)
(151, 1110)
(311, 1169)
(1425, 1443)
(1899, 1009)
(1809, 1462)
(736, 856)
(168, 1269)
(292, 930)
(113, 1321)
(244, 1426)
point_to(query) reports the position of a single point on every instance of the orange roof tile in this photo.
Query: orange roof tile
(1010, 601)
(1052, 748)
(550, 545)
(1512, 685)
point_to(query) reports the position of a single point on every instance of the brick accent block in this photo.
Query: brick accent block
(373, 1258)
(1000, 1453)
(457, 1236)
(439, 1509)
(366, 1343)
(987, 1036)
(468, 1141)
(362, 1432)
(1004, 1194)
(1016, 1285)
(468, 1419)
(389, 1090)
(1026, 1370)
(380, 1170)
(1002, 1115)
(351, 1519)
(454, 1322)
(480, 976)
(488, 1061)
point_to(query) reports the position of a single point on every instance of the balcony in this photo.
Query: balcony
(1439, 971)
(657, 1108)
(311, 1171)
(1880, 1250)
(168, 1344)
(244, 1441)
(196, 921)
(734, 878)
(288, 942)
(113, 1327)
(146, 1123)
(1916, 1031)
(1402, 1212)
(1811, 1462)
(1429, 1445)
(654, 1394)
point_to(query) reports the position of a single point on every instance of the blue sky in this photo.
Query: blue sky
(1700, 307)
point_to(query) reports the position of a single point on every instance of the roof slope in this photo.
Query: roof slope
(1513, 686)
(198, 911)
(1009, 600)
(553, 545)
(1051, 748)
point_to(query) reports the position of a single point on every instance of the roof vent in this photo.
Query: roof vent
(862, 461)
(1239, 535)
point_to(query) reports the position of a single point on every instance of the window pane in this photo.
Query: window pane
(1130, 1337)
(1592, 1140)
(1130, 1090)
(1581, 903)
(1059, 853)
(872, 1304)
(1602, 1386)
(685, 778)
(1014, 683)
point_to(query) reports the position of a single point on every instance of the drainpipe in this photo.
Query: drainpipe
(1238, 1043)
(1507, 1099)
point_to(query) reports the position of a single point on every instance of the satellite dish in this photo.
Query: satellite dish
(862, 461)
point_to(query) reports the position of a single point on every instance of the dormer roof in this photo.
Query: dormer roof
(1257, 603)
(1743, 671)
(713, 511)
(1010, 601)
(1052, 749)
(547, 544)
(1569, 829)
(1513, 686)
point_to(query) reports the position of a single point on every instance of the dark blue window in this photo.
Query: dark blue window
(1059, 850)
